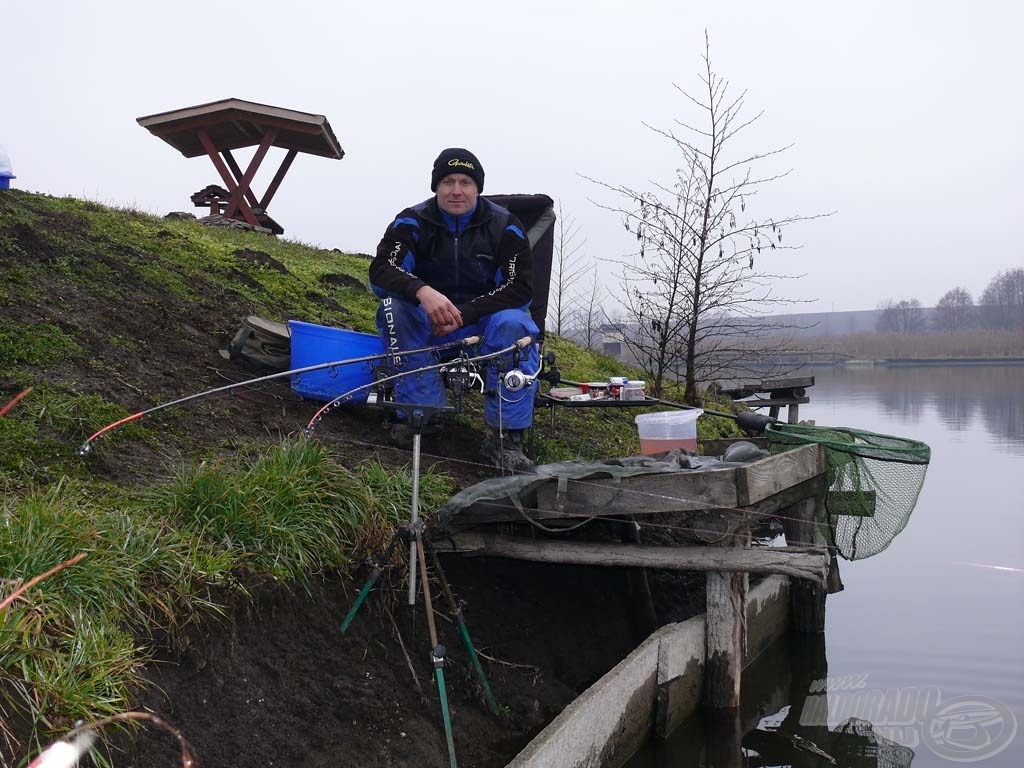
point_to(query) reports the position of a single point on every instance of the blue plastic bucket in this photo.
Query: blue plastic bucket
(313, 344)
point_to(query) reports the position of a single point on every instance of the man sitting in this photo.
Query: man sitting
(453, 266)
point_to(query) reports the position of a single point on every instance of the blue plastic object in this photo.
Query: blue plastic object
(312, 344)
(6, 172)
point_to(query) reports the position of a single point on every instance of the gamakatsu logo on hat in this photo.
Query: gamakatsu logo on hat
(455, 163)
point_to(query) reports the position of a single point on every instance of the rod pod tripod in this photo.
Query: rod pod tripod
(414, 535)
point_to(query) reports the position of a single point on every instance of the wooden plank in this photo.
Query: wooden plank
(796, 562)
(768, 385)
(764, 478)
(792, 382)
(503, 511)
(643, 494)
(774, 402)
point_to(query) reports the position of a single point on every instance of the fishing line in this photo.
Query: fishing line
(87, 445)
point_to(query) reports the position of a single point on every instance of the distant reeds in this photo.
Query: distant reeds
(955, 344)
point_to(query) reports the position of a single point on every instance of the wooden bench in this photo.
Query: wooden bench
(791, 392)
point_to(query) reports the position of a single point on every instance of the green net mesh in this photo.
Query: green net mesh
(874, 482)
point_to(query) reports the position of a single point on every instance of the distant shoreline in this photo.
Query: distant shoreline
(907, 362)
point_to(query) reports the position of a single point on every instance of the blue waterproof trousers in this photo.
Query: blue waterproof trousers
(405, 325)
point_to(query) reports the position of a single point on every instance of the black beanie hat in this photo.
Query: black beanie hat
(456, 160)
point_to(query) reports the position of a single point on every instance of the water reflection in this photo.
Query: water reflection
(961, 396)
(783, 722)
(920, 616)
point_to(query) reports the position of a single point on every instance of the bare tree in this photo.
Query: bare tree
(903, 316)
(566, 270)
(955, 311)
(1002, 303)
(590, 313)
(694, 299)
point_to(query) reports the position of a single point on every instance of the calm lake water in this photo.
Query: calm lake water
(940, 613)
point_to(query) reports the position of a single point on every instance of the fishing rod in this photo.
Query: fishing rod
(14, 401)
(466, 342)
(327, 408)
(748, 420)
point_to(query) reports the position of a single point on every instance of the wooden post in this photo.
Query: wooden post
(807, 601)
(723, 739)
(725, 631)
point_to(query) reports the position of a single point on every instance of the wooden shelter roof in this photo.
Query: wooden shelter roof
(234, 123)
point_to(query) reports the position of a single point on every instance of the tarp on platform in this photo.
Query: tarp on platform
(520, 490)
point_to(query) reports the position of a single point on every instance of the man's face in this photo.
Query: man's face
(457, 193)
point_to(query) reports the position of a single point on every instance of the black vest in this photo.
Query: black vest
(461, 266)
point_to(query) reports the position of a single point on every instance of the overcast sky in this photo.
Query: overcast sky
(905, 117)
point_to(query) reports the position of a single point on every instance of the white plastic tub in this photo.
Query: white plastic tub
(666, 430)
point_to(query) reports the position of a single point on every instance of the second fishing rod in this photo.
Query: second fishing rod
(469, 341)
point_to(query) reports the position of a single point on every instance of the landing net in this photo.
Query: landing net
(874, 482)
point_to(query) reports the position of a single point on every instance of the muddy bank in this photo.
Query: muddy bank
(280, 685)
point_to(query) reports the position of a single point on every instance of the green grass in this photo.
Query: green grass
(39, 438)
(291, 512)
(102, 249)
(36, 344)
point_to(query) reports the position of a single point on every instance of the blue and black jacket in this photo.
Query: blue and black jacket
(480, 260)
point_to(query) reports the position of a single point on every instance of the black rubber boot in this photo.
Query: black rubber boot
(400, 432)
(504, 451)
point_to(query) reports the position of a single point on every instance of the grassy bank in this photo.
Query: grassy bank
(161, 557)
(106, 312)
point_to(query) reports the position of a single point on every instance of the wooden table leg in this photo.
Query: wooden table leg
(226, 177)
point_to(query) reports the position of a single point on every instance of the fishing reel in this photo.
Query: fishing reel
(383, 390)
(516, 380)
(459, 376)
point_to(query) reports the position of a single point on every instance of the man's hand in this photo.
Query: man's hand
(444, 316)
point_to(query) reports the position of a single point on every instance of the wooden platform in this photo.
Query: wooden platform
(719, 505)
